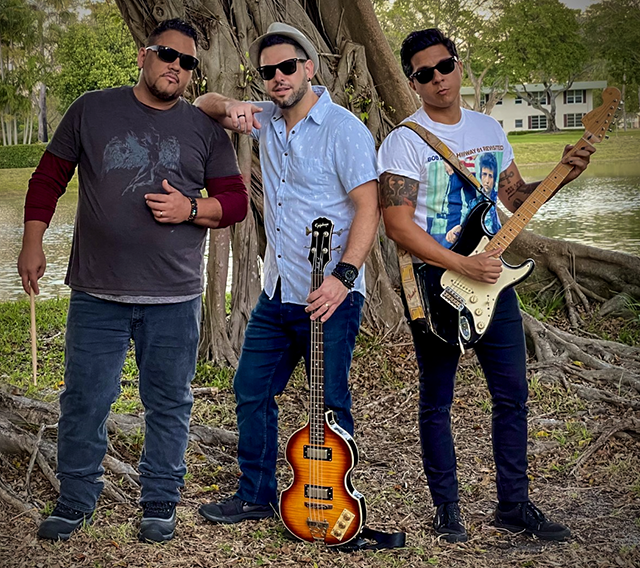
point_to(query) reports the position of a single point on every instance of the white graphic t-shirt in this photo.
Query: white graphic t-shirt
(444, 197)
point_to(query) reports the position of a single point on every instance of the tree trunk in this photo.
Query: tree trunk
(43, 134)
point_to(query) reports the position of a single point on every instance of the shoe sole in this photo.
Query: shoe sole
(235, 519)
(453, 538)
(45, 535)
(513, 529)
(157, 538)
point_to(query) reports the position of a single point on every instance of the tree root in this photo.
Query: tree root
(10, 498)
(599, 363)
(19, 415)
(613, 427)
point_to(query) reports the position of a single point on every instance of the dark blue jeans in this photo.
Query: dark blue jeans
(502, 355)
(97, 338)
(277, 336)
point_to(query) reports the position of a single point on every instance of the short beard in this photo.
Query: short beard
(295, 97)
(164, 95)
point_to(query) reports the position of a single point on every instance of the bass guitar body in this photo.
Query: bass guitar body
(321, 504)
(460, 309)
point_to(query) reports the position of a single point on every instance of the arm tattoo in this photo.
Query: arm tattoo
(397, 190)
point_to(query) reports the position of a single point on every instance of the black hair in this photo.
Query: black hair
(173, 25)
(272, 40)
(420, 40)
(488, 161)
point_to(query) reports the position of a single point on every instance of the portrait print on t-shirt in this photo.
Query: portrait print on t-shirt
(450, 197)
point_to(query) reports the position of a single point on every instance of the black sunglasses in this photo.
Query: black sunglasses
(169, 55)
(425, 74)
(287, 67)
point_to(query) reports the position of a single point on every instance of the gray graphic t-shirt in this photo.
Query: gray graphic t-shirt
(124, 150)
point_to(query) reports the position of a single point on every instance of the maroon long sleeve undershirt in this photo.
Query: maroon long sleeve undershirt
(50, 179)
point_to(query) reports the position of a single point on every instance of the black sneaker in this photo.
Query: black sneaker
(527, 518)
(448, 523)
(158, 521)
(62, 522)
(234, 510)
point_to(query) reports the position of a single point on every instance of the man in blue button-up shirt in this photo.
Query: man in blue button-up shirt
(318, 160)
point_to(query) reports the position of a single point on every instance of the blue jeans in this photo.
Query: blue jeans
(502, 356)
(97, 338)
(277, 336)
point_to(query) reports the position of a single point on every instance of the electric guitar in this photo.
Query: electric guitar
(460, 309)
(321, 504)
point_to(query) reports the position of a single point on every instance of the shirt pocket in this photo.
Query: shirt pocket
(309, 175)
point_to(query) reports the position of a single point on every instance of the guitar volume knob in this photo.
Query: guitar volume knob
(478, 312)
(473, 299)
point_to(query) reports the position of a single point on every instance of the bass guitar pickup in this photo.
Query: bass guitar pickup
(318, 492)
(318, 453)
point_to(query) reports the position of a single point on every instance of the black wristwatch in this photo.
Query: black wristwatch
(346, 273)
(194, 209)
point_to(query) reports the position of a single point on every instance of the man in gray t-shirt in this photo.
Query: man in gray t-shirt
(136, 269)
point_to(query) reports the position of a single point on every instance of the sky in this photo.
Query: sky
(582, 4)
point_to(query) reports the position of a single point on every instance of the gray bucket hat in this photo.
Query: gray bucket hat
(280, 29)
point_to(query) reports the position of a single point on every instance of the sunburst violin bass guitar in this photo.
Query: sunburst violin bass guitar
(321, 504)
(460, 309)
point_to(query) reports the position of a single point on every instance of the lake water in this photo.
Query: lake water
(601, 208)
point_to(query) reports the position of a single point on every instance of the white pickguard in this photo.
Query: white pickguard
(480, 298)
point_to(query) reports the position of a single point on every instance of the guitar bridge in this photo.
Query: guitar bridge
(318, 529)
(453, 298)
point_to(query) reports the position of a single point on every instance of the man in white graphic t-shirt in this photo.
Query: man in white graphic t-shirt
(415, 193)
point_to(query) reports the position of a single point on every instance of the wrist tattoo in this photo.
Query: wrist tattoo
(397, 190)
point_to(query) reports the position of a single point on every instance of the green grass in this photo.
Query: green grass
(541, 148)
(16, 180)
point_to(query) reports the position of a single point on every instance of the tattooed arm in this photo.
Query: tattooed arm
(398, 199)
(513, 191)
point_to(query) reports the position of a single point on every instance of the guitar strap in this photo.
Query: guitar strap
(409, 285)
(379, 540)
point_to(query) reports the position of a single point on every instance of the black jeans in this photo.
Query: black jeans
(502, 355)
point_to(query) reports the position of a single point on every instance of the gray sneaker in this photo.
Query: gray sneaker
(234, 510)
(158, 521)
(62, 522)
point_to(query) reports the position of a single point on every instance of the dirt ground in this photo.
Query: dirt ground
(600, 501)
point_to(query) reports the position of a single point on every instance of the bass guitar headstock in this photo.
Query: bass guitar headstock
(320, 249)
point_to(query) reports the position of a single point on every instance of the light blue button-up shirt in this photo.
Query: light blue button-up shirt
(307, 175)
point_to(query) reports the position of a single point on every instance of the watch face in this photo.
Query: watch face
(350, 274)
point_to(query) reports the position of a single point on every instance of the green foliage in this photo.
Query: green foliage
(544, 43)
(21, 156)
(97, 53)
(619, 19)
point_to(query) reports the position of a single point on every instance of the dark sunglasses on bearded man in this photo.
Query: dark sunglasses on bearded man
(169, 55)
(287, 67)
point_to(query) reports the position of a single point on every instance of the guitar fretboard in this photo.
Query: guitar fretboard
(316, 410)
(517, 222)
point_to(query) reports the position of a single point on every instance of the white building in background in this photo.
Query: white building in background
(515, 114)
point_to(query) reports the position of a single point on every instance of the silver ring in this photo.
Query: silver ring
(161, 214)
